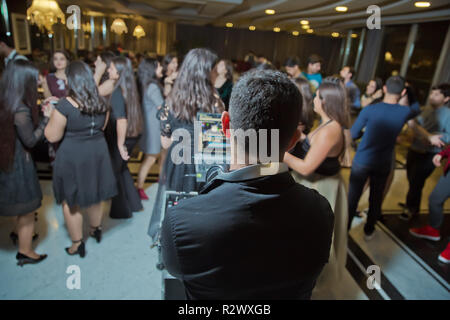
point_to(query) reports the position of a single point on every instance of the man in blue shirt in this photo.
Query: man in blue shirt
(434, 122)
(353, 93)
(312, 73)
(382, 122)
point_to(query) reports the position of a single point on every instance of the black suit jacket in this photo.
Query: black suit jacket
(265, 238)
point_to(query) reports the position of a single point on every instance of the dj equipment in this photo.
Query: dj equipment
(212, 147)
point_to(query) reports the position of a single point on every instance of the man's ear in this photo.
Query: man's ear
(295, 137)
(446, 99)
(384, 89)
(225, 123)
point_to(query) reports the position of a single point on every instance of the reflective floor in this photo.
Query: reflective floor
(123, 266)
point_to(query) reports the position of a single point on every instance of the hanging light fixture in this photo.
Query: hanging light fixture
(45, 13)
(139, 32)
(118, 26)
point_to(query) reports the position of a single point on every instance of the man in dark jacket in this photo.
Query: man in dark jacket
(253, 232)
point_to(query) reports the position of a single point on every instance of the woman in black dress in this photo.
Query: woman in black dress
(124, 129)
(20, 192)
(193, 92)
(82, 175)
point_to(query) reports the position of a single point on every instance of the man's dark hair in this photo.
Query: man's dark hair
(395, 85)
(266, 99)
(292, 62)
(314, 58)
(7, 40)
(444, 88)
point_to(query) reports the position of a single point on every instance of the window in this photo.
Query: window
(427, 48)
(392, 50)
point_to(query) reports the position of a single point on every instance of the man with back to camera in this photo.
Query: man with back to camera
(253, 232)
(373, 159)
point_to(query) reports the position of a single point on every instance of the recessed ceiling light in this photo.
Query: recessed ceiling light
(252, 28)
(422, 4)
(310, 30)
(341, 9)
(229, 25)
(304, 22)
(335, 34)
(305, 27)
(295, 33)
(276, 29)
(270, 11)
(354, 35)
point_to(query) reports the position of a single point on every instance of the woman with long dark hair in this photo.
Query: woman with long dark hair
(224, 80)
(193, 92)
(149, 73)
(124, 129)
(82, 174)
(317, 166)
(170, 72)
(20, 192)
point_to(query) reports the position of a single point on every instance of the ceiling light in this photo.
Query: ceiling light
(305, 27)
(354, 35)
(341, 9)
(295, 33)
(276, 29)
(422, 4)
(304, 22)
(252, 28)
(270, 11)
(229, 25)
(310, 30)
(335, 34)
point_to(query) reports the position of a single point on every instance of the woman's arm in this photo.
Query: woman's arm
(25, 128)
(323, 144)
(121, 127)
(166, 142)
(47, 93)
(106, 120)
(106, 88)
(54, 131)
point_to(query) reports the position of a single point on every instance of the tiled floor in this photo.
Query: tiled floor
(122, 266)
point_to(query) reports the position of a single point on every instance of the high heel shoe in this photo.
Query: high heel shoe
(14, 237)
(23, 259)
(96, 233)
(81, 250)
(142, 194)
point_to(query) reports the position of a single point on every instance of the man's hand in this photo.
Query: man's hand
(437, 160)
(436, 141)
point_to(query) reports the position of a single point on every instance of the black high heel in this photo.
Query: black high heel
(81, 250)
(23, 259)
(97, 233)
(14, 237)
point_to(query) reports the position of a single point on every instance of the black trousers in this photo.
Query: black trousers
(419, 166)
(358, 178)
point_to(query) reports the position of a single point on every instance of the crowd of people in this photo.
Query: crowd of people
(94, 113)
